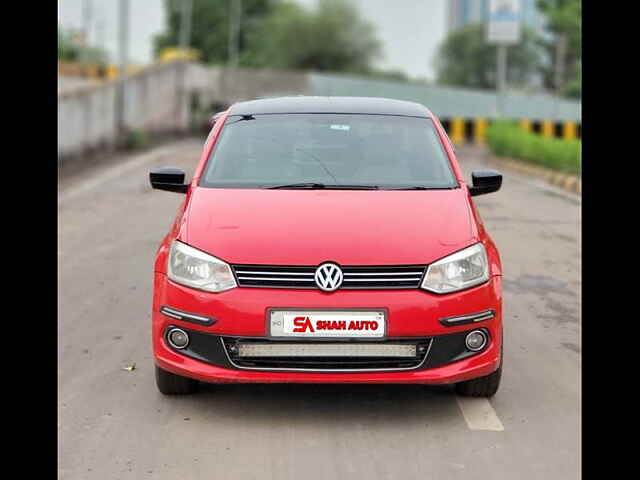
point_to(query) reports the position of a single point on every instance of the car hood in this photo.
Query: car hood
(308, 227)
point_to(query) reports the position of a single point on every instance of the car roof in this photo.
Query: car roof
(312, 104)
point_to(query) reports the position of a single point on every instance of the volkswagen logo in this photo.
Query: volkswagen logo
(328, 277)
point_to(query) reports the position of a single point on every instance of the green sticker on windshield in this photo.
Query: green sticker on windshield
(341, 127)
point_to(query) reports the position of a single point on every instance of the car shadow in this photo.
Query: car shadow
(325, 403)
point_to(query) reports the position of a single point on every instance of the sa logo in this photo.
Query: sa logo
(302, 324)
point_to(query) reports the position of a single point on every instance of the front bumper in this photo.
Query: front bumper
(241, 313)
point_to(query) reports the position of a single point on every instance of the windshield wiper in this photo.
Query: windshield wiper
(320, 186)
(418, 187)
(309, 185)
(353, 187)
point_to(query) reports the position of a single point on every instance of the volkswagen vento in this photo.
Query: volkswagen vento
(327, 240)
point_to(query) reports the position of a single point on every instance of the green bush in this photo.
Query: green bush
(507, 139)
(136, 139)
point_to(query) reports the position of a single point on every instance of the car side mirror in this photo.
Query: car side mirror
(485, 181)
(170, 179)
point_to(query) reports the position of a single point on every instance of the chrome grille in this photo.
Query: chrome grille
(355, 277)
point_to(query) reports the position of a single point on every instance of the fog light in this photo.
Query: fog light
(178, 338)
(476, 340)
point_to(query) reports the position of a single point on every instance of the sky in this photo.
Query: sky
(147, 18)
(410, 30)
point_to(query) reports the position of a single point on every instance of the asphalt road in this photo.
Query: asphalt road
(113, 423)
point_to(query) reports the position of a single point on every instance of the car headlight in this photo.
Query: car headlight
(194, 268)
(458, 271)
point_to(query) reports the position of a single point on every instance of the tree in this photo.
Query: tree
(564, 21)
(573, 87)
(465, 59)
(331, 38)
(67, 51)
(70, 51)
(210, 26)
(279, 34)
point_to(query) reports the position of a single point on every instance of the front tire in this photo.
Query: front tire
(171, 384)
(486, 386)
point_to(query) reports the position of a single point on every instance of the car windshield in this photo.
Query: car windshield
(348, 151)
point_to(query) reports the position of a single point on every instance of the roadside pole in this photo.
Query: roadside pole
(86, 31)
(503, 29)
(182, 96)
(185, 24)
(561, 53)
(100, 24)
(501, 76)
(123, 44)
(235, 15)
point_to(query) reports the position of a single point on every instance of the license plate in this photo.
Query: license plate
(327, 324)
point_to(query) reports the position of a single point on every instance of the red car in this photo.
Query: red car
(327, 240)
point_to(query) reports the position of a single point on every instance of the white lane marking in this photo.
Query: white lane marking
(479, 414)
(115, 172)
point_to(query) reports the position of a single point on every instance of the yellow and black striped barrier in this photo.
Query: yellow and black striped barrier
(462, 130)
(93, 71)
(565, 181)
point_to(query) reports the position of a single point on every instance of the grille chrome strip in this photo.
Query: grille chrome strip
(347, 274)
(247, 272)
(399, 279)
(469, 318)
(278, 278)
(354, 277)
(186, 316)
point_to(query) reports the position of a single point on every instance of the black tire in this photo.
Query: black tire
(171, 384)
(486, 386)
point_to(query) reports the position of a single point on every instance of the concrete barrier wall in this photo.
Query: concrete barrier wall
(448, 102)
(155, 100)
(85, 119)
(159, 99)
(245, 84)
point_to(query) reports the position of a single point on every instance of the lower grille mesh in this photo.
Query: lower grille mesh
(379, 355)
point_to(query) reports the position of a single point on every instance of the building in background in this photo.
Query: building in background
(465, 12)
